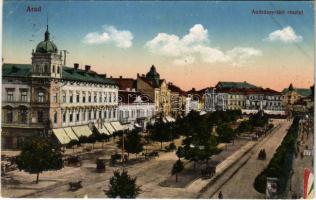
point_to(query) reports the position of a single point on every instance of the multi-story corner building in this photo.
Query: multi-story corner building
(43, 98)
(135, 108)
(156, 89)
(292, 95)
(243, 96)
(179, 101)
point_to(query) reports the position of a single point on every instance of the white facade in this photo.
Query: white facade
(82, 103)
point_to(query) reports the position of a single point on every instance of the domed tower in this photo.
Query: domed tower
(46, 61)
(153, 75)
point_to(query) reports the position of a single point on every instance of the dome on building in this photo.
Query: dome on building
(46, 46)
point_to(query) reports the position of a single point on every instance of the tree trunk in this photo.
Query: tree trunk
(176, 177)
(37, 177)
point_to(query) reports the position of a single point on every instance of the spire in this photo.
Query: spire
(47, 33)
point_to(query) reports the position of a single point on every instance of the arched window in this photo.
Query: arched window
(53, 68)
(9, 115)
(40, 97)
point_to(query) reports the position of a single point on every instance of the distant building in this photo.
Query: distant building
(292, 95)
(179, 100)
(135, 108)
(156, 89)
(243, 96)
(197, 99)
(43, 98)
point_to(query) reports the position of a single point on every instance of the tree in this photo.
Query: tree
(122, 186)
(39, 155)
(132, 142)
(161, 133)
(225, 133)
(72, 144)
(177, 168)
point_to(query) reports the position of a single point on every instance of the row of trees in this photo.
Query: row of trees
(281, 163)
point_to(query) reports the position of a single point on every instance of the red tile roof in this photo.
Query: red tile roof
(125, 83)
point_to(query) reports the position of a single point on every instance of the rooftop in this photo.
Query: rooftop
(68, 73)
(223, 84)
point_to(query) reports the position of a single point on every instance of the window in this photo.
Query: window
(114, 97)
(77, 116)
(110, 112)
(64, 98)
(53, 68)
(55, 98)
(40, 116)
(100, 114)
(84, 115)
(89, 98)
(95, 114)
(95, 98)
(70, 117)
(64, 117)
(10, 95)
(110, 98)
(105, 116)
(55, 118)
(58, 69)
(23, 115)
(105, 97)
(9, 116)
(90, 115)
(24, 95)
(40, 97)
(71, 98)
(114, 113)
(100, 97)
(83, 97)
(78, 98)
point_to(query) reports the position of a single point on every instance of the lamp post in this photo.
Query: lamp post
(123, 121)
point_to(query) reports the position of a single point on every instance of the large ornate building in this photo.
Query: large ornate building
(46, 98)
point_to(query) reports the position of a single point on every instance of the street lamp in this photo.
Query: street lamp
(123, 121)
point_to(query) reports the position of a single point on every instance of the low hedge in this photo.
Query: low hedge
(281, 163)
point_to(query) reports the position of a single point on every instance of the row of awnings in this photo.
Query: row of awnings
(65, 135)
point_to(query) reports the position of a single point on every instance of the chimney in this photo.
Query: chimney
(137, 75)
(111, 77)
(120, 77)
(87, 67)
(76, 65)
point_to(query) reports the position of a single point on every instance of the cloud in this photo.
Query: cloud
(184, 60)
(286, 35)
(121, 38)
(194, 46)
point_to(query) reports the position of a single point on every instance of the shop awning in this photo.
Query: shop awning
(61, 136)
(137, 125)
(82, 131)
(71, 134)
(129, 126)
(103, 130)
(109, 128)
(117, 126)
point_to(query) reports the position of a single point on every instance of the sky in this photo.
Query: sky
(192, 44)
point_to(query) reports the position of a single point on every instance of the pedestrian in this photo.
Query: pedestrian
(220, 195)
